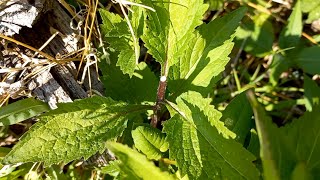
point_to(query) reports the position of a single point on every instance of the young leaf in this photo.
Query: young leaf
(135, 165)
(116, 32)
(150, 141)
(72, 131)
(21, 110)
(200, 146)
(290, 35)
(206, 55)
(237, 117)
(168, 30)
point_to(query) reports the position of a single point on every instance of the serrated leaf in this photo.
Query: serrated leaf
(308, 60)
(135, 165)
(237, 117)
(115, 31)
(290, 35)
(21, 110)
(200, 146)
(168, 29)
(72, 131)
(206, 55)
(150, 141)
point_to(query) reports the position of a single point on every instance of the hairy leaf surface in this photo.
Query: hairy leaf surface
(135, 165)
(150, 141)
(202, 146)
(72, 131)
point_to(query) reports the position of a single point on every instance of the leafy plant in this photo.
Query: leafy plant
(168, 128)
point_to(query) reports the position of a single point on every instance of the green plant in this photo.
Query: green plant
(195, 140)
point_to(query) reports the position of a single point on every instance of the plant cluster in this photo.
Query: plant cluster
(168, 123)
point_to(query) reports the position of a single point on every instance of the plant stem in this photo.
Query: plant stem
(160, 99)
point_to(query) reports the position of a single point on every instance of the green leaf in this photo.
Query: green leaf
(215, 4)
(254, 146)
(112, 168)
(311, 93)
(115, 31)
(72, 131)
(21, 110)
(150, 141)
(300, 172)
(206, 55)
(308, 5)
(312, 8)
(135, 165)
(290, 35)
(237, 117)
(198, 142)
(314, 14)
(308, 60)
(168, 30)
(254, 32)
(140, 88)
(267, 133)
(303, 135)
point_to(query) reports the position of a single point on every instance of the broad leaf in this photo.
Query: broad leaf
(206, 55)
(21, 110)
(168, 30)
(290, 35)
(198, 142)
(308, 60)
(135, 165)
(303, 135)
(72, 131)
(237, 117)
(150, 141)
(116, 32)
(141, 87)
